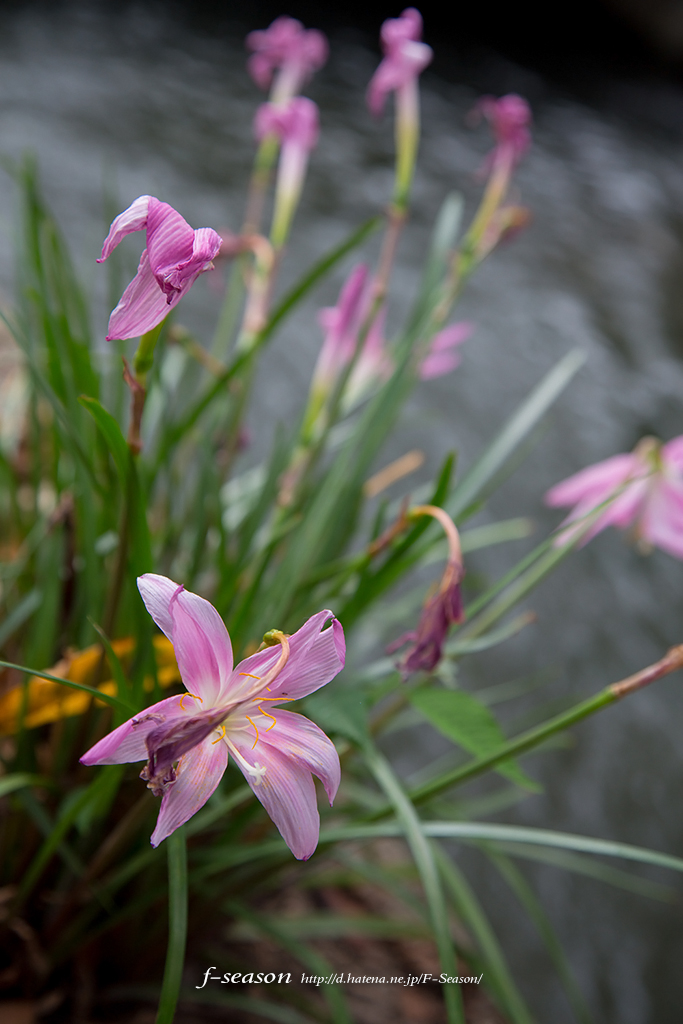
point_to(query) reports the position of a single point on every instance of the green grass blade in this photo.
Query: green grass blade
(177, 926)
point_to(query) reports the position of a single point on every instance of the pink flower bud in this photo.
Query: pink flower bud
(405, 58)
(288, 47)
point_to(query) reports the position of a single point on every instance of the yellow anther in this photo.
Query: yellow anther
(269, 716)
(255, 729)
(249, 674)
(220, 737)
(277, 698)
(193, 695)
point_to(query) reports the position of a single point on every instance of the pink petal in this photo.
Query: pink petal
(198, 773)
(156, 592)
(132, 219)
(662, 522)
(287, 792)
(306, 744)
(127, 743)
(595, 482)
(315, 658)
(672, 454)
(142, 306)
(437, 364)
(202, 646)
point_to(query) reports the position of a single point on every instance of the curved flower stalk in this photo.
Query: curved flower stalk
(441, 610)
(509, 118)
(296, 125)
(187, 739)
(405, 58)
(289, 49)
(174, 258)
(646, 492)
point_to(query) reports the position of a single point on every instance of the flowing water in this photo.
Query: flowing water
(136, 104)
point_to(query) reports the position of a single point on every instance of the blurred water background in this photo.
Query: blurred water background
(119, 103)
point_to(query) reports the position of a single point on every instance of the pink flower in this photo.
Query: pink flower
(342, 324)
(173, 260)
(646, 492)
(510, 118)
(290, 48)
(186, 739)
(443, 355)
(405, 58)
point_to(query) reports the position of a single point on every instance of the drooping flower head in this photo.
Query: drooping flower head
(186, 740)
(441, 610)
(405, 57)
(286, 46)
(643, 490)
(174, 258)
(296, 125)
(444, 350)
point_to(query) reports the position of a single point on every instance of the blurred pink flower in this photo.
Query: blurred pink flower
(342, 324)
(510, 118)
(173, 260)
(186, 739)
(289, 48)
(443, 355)
(405, 57)
(646, 492)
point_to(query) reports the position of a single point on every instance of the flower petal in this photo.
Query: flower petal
(202, 646)
(128, 742)
(287, 792)
(132, 219)
(170, 239)
(662, 522)
(315, 657)
(156, 592)
(198, 773)
(594, 483)
(142, 306)
(305, 743)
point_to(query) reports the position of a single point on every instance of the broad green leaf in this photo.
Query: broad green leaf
(460, 717)
(19, 780)
(111, 431)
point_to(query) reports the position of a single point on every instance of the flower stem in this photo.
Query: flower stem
(672, 661)
(177, 926)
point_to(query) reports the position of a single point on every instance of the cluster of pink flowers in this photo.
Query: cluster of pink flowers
(405, 58)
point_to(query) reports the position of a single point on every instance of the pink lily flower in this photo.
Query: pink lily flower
(405, 57)
(646, 492)
(443, 355)
(296, 125)
(510, 118)
(289, 48)
(173, 260)
(342, 324)
(186, 739)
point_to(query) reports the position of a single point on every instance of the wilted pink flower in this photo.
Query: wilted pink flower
(441, 610)
(173, 260)
(186, 739)
(443, 355)
(290, 48)
(510, 118)
(646, 492)
(405, 57)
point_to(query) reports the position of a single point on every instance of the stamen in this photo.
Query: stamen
(193, 695)
(220, 737)
(276, 698)
(249, 674)
(254, 724)
(255, 770)
(266, 713)
(272, 673)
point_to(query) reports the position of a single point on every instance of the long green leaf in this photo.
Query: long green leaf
(122, 705)
(177, 926)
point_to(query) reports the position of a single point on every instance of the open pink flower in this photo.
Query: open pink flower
(289, 48)
(646, 492)
(444, 355)
(173, 260)
(405, 57)
(186, 739)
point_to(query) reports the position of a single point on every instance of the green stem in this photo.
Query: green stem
(177, 926)
(672, 661)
